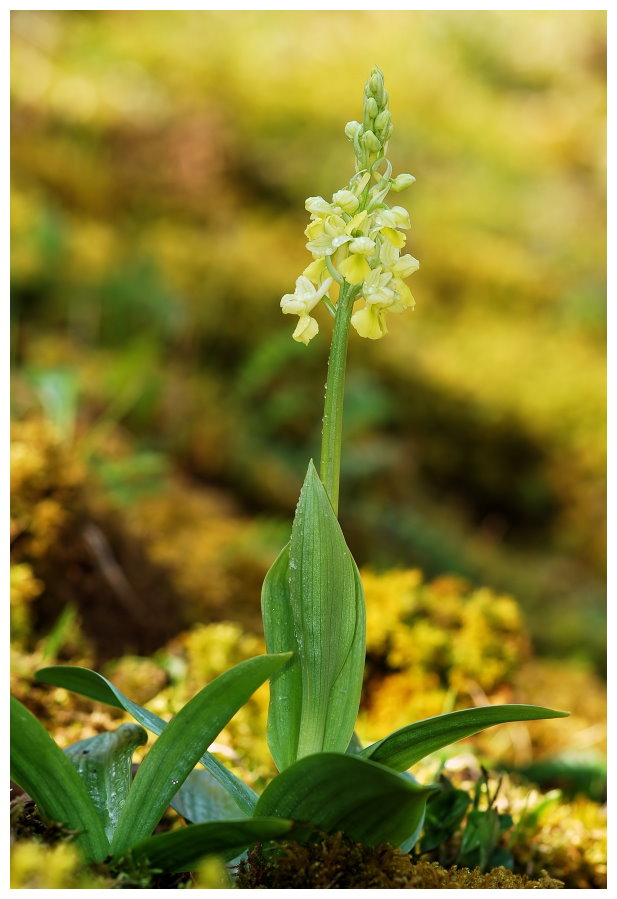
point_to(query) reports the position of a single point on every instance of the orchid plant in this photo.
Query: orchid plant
(314, 622)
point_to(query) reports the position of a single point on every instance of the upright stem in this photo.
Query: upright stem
(332, 429)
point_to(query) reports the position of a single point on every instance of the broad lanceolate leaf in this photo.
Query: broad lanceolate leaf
(285, 707)
(201, 798)
(370, 803)
(313, 605)
(410, 744)
(180, 850)
(181, 745)
(104, 764)
(95, 686)
(40, 768)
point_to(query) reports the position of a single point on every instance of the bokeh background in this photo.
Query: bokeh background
(160, 165)
(163, 417)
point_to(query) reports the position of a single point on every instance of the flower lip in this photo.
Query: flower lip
(362, 245)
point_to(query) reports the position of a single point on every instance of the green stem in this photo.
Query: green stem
(332, 429)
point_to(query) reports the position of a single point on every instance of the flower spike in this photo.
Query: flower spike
(356, 239)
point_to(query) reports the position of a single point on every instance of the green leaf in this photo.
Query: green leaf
(410, 744)
(370, 803)
(201, 798)
(313, 605)
(104, 764)
(182, 743)
(444, 815)
(285, 707)
(57, 391)
(480, 837)
(40, 768)
(180, 850)
(95, 686)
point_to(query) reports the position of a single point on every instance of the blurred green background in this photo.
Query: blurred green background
(160, 162)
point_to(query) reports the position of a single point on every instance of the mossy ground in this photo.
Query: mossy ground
(335, 862)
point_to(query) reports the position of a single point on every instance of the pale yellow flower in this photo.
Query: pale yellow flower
(302, 302)
(370, 322)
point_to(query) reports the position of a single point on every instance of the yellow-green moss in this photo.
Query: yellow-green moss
(45, 486)
(443, 627)
(25, 587)
(36, 866)
(335, 862)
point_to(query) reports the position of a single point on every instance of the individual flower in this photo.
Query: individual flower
(400, 266)
(317, 271)
(377, 288)
(342, 201)
(387, 223)
(370, 321)
(381, 292)
(302, 302)
(328, 234)
(355, 267)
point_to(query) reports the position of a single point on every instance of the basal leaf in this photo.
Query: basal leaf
(201, 798)
(180, 850)
(315, 609)
(104, 764)
(410, 744)
(40, 768)
(369, 802)
(181, 745)
(284, 713)
(95, 686)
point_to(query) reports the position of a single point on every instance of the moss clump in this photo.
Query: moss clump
(36, 866)
(43, 857)
(430, 644)
(26, 823)
(336, 862)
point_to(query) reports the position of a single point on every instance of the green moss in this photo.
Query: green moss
(35, 842)
(335, 862)
(26, 823)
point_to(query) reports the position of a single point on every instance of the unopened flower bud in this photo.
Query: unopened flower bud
(352, 129)
(383, 124)
(346, 200)
(370, 111)
(401, 182)
(371, 142)
(377, 87)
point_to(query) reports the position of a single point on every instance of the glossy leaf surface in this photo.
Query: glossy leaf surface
(201, 798)
(181, 745)
(180, 850)
(369, 802)
(313, 605)
(40, 768)
(410, 744)
(95, 686)
(284, 712)
(103, 763)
